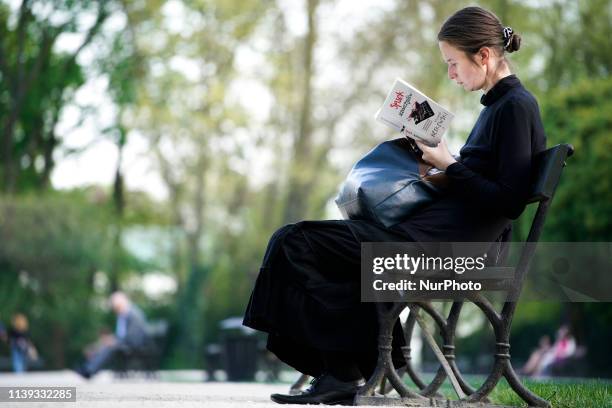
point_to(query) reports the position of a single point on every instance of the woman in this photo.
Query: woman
(307, 293)
(22, 349)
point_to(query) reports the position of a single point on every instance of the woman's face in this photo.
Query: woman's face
(462, 69)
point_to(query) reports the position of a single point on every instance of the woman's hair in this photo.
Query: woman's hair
(472, 28)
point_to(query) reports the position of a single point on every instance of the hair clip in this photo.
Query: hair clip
(507, 36)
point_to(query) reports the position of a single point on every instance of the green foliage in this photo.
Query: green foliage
(55, 247)
(141, 209)
(52, 247)
(580, 115)
(37, 82)
(40, 234)
(580, 211)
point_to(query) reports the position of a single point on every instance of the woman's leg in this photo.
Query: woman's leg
(342, 365)
(307, 296)
(18, 357)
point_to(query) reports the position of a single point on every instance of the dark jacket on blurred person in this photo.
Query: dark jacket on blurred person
(132, 329)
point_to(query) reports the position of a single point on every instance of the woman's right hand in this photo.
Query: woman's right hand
(438, 156)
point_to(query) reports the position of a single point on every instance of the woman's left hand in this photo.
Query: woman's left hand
(438, 156)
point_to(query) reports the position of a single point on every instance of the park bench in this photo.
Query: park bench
(146, 359)
(548, 167)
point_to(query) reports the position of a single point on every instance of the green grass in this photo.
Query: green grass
(561, 393)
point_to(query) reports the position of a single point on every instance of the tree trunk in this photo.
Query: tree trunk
(58, 347)
(301, 171)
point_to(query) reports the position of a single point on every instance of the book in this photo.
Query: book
(410, 111)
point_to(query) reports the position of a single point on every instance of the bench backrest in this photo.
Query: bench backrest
(548, 167)
(547, 172)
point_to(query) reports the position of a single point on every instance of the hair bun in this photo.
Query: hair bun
(514, 43)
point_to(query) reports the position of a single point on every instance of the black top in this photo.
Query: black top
(495, 167)
(491, 182)
(19, 339)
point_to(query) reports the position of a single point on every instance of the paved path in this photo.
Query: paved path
(173, 389)
(106, 391)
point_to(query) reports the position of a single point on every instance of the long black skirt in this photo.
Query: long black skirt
(307, 293)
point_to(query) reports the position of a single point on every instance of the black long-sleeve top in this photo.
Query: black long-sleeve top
(495, 167)
(490, 183)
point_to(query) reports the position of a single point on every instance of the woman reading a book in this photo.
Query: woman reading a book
(307, 294)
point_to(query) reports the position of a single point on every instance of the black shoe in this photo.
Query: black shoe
(325, 389)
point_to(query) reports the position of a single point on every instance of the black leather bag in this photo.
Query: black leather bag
(388, 184)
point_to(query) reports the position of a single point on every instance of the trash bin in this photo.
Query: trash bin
(238, 350)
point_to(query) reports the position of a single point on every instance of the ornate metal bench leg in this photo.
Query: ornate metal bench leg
(384, 367)
(407, 352)
(523, 392)
(385, 370)
(427, 390)
(386, 387)
(440, 356)
(502, 366)
(449, 346)
(485, 389)
(447, 330)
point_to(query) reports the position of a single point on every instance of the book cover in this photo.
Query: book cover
(408, 110)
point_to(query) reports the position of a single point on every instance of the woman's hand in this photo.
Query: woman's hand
(438, 156)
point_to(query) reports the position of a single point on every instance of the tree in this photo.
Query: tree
(580, 115)
(36, 83)
(185, 115)
(52, 248)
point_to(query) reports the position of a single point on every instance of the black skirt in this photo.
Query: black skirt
(307, 293)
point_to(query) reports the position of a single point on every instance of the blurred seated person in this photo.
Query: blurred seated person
(533, 363)
(105, 338)
(563, 348)
(131, 335)
(22, 349)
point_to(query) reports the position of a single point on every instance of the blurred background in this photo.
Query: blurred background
(154, 146)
